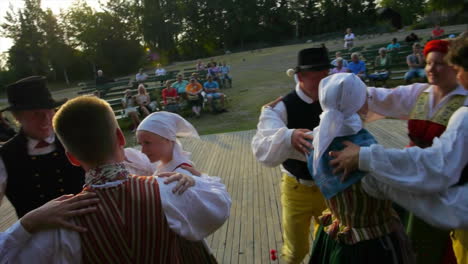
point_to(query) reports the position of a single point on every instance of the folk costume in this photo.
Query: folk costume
(357, 228)
(170, 126)
(301, 200)
(425, 122)
(33, 171)
(139, 220)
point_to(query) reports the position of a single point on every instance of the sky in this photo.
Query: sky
(54, 5)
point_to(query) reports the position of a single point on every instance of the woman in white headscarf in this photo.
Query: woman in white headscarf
(357, 228)
(157, 134)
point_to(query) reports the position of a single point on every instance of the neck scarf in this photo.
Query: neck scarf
(106, 173)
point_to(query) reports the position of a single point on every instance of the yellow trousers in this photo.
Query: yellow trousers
(460, 245)
(299, 204)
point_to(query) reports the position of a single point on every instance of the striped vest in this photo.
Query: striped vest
(130, 227)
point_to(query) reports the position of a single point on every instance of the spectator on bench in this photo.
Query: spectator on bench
(338, 55)
(160, 71)
(143, 100)
(101, 82)
(225, 70)
(194, 90)
(437, 32)
(382, 65)
(200, 66)
(170, 98)
(130, 108)
(141, 76)
(394, 46)
(411, 38)
(357, 66)
(339, 66)
(349, 39)
(180, 85)
(415, 63)
(212, 92)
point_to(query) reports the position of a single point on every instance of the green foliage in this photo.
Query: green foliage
(73, 45)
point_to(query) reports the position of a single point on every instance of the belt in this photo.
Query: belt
(302, 181)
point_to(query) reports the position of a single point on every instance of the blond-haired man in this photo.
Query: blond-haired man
(139, 219)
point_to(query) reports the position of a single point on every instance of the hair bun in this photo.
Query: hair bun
(290, 72)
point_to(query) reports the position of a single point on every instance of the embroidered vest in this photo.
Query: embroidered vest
(421, 130)
(130, 227)
(34, 180)
(300, 115)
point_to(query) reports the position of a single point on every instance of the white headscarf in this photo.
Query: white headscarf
(341, 95)
(170, 126)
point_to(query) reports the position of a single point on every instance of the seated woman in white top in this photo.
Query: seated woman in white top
(143, 100)
(130, 108)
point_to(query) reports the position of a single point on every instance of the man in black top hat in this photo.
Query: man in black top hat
(281, 138)
(33, 166)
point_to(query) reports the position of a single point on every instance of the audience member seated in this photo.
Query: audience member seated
(160, 71)
(170, 98)
(382, 65)
(357, 66)
(225, 77)
(200, 66)
(130, 108)
(180, 85)
(437, 32)
(101, 82)
(349, 39)
(141, 76)
(394, 46)
(412, 38)
(6, 129)
(194, 96)
(213, 71)
(339, 66)
(143, 100)
(338, 55)
(211, 89)
(415, 63)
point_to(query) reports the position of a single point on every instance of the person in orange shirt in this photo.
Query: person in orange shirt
(193, 90)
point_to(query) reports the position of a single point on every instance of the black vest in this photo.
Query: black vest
(300, 115)
(34, 180)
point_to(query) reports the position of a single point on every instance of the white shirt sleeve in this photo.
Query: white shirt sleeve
(397, 102)
(54, 246)
(271, 144)
(12, 241)
(447, 209)
(3, 179)
(417, 170)
(199, 211)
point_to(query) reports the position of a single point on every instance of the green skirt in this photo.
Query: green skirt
(429, 243)
(389, 249)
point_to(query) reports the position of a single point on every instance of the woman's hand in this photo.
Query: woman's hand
(183, 181)
(347, 160)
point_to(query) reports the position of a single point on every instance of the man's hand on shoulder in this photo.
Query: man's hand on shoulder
(273, 103)
(299, 140)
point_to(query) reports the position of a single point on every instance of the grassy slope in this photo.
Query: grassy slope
(259, 77)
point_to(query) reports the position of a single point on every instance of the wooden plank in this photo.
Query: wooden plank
(254, 226)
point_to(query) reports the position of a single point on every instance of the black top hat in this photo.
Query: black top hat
(30, 93)
(313, 59)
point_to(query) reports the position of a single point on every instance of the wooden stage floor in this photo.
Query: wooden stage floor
(254, 226)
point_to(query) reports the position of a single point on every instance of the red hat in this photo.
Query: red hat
(439, 45)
